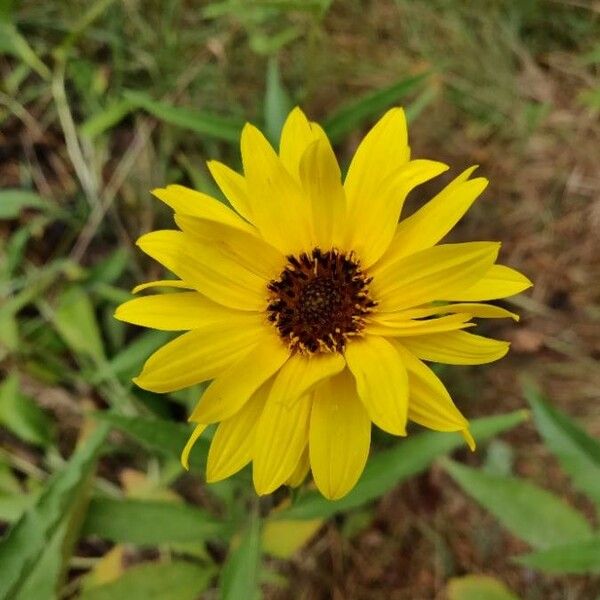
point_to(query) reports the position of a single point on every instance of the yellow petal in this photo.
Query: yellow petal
(483, 311)
(233, 185)
(374, 218)
(196, 204)
(301, 373)
(175, 283)
(247, 250)
(427, 226)
(322, 182)
(396, 325)
(297, 478)
(280, 211)
(200, 354)
(297, 135)
(382, 152)
(381, 381)
(339, 438)
(498, 282)
(185, 453)
(431, 274)
(232, 388)
(172, 312)
(231, 447)
(456, 348)
(280, 439)
(429, 402)
(212, 270)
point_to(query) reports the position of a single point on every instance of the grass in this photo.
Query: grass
(100, 102)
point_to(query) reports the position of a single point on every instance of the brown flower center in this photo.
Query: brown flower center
(319, 301)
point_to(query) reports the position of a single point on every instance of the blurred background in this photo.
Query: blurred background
(101, 101)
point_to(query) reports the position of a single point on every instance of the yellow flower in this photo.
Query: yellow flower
(312, 309)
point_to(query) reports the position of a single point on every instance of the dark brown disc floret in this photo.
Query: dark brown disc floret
(319, 301)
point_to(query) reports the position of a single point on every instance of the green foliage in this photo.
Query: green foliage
(25, 545)
(577, 451)
(177, 580)
(21, 415)
(579, 557)
(12, 202)
(200, 122)
(564, 540)
(240, 575)
(478, 587)
(526, 510)
(357, 113)
(158, 435)
(145, 522)
(75, 320)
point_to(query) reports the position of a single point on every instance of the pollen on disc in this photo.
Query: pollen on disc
(319, 301)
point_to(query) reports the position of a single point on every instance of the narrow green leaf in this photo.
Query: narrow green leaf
(21, 415)
(579, 557)
(12, 42)
(358, 112)
(41, 583)
(75, 320)
(201, 122)
(577, 451)
(14, 200)
(527, 511)
(478, 587)
(106, 119)
(177, 580)
(159, 435)
(277, 102)
(26, 542)
(146, 522)
(240, 575)
(390, 467)
(127, 363)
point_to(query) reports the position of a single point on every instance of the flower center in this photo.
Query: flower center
(319, 301)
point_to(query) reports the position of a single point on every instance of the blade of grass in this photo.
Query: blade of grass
(357, 113)
(200, 122)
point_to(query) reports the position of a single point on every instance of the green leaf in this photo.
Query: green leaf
(75, 320)
(357, 113)
(240, 575)
(388, 468)
(12, 42)
(106, 119)
(41, 583)
(127, 363)
(27, 541)
(579, 557)
(21, 415)
(201, 122)
(277, 103)
(159, 435)
(527, 511)
(177, 580)
(578, 452)
(146, 522)
(14, 200)
(478, 587)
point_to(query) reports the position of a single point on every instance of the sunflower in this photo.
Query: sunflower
(313, 309)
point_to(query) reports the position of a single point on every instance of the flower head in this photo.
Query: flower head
(312, 308)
